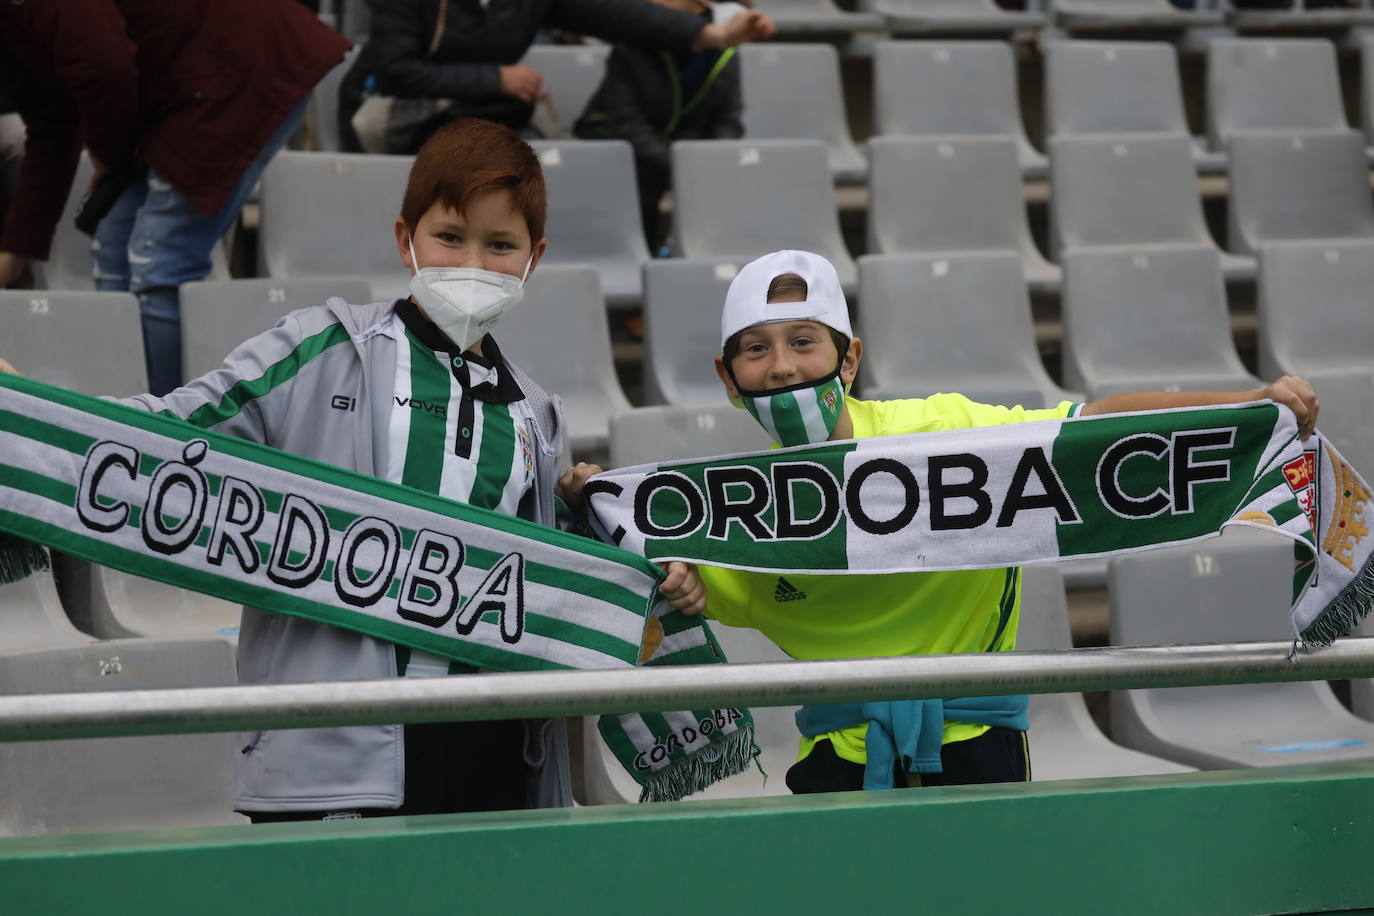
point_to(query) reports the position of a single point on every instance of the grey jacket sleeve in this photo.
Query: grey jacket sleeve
(235, 399)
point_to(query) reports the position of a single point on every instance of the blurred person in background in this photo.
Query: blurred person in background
(651, 98)
(179, 106)
(466, 53)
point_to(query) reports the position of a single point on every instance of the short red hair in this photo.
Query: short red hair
(469, 156)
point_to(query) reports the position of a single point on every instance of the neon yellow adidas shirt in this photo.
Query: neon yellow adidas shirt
(922, 613)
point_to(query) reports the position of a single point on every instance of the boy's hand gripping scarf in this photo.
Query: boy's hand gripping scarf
(158, 498)
(1013, 495)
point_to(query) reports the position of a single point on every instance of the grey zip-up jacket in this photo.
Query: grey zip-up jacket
(320, 385)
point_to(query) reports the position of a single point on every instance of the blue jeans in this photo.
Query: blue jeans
(154, 239)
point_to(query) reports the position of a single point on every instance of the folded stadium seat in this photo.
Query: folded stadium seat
(1229, 589)
(1315, 320)
(1287, 186)
(811, 18)
(964, 325)
(100, 784)
(571, 75)
(31, 615)
(1118, 87)
(745, 198)
(955, 195)
(1297, 15)
(593, 213)
(1148, 318)
(93, 343)
(1272, 84)
(218, 315)
(929, 88)
(1123, 15)
(928, 17)
(643, 435)
(1065, 742)
(332, 215)
(323, 108)
(792, 92)
(559, 335)
(653, 434)
(1129, 189)
(682, 303)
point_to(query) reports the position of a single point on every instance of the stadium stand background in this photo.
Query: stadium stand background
(1216, 105)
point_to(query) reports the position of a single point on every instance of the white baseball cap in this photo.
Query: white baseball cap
(746, 302)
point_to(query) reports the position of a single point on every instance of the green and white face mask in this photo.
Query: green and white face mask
(803, 414)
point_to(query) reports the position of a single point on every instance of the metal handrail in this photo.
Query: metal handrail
(570, 693)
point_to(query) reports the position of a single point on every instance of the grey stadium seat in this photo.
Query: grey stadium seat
(1130, 189)
(1296, 15)
(1117, 87)
(1271, 84)
(324, 105)
(218, 315)
(560, 337)
(594, 213)
(1315, 320)
(1314, 306)
(31, 615)
(100, 784)
(1113, 15)
(1148, 318)
(775, 731)
(924, 17)
(746, 198)
(682, 303)
(791, 92)
(645, 435)
(110, 604)
(88, 342)
(1288, 185)
(1064, 741)
(940, 88)
(805, 18)
(1229, 589)
(332, 215)
(571, 75)
(1367, 90)
(961, 323)
(955, 195)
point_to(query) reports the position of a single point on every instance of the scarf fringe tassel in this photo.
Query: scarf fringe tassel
(702, 768)
(20, 559)
(1345, 611)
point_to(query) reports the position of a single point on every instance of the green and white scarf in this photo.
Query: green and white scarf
(1014, 495)
(159, 498)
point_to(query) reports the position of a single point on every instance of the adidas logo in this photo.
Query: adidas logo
(786, 591)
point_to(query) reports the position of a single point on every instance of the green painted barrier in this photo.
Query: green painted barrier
(1291, 840)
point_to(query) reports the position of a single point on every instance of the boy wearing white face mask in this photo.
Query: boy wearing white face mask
(789, 356)
(414, 391)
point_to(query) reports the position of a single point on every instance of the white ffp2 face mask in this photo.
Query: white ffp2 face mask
(465, 302)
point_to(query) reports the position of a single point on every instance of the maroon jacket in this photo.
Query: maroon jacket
(194, 87)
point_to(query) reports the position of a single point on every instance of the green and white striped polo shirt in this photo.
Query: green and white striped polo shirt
(459, 427)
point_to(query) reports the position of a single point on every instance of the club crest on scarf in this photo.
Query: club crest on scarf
(1301, 474)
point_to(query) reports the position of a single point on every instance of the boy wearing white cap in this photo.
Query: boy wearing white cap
(789, 356)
